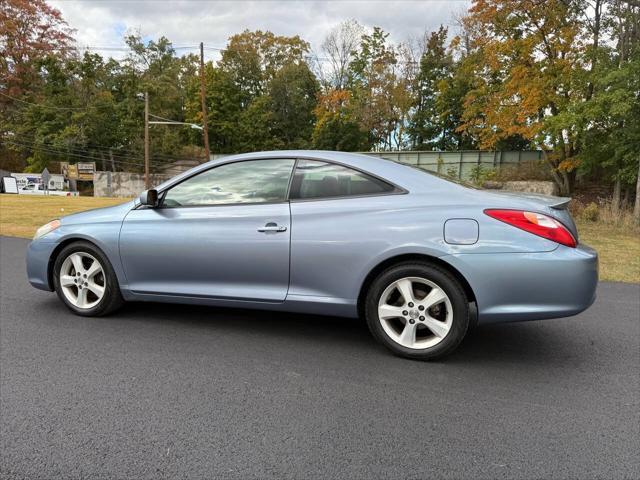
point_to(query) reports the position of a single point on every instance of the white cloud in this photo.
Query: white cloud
(187, 23)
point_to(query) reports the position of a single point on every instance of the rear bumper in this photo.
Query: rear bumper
(512, 287)
(38, 255)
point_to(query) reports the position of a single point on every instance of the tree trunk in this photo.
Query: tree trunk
(626, 200)
(567, 187)
(557, 178)
(113, 164)
(615, 200)
(597, 14)
(636, 207)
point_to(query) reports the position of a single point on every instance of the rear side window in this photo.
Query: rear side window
(316, 179)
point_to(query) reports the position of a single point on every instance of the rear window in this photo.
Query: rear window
(316, 179)
(443, 176)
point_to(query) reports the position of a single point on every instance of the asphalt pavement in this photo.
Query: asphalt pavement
(166, 391)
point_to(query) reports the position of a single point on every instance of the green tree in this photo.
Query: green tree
(336, 128)
(609, 119)
(293, 93)
(252, 59)
(261, 94)
(429, 127)
(375, 84)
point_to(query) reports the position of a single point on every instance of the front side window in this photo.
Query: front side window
(315, 179)
(252, 181)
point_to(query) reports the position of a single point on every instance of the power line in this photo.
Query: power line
(89, 150)
(86, 156)
(110, 149)
(181, 47)
(102, 150)
(35, 147)
(53, 107)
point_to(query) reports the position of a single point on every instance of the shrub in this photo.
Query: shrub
(452, 172)
(590, 213)
(479, 174)
(605, 213)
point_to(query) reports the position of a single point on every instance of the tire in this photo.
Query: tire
(85, 282)
(402, 326)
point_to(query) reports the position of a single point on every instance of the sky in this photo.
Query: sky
(103, 23)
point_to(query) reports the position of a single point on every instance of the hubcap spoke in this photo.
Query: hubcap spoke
(82, 297)
(405, 287)
(439, 329)
(67, 280)
(98, 290)
(93, 269)
(408, 335)
(436, 295)
(76, 259)
(389, 311)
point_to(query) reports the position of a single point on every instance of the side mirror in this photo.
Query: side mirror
(149, 198)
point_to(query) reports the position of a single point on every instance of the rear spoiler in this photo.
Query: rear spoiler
(560, 203)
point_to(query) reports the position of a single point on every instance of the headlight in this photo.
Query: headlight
(49, 227)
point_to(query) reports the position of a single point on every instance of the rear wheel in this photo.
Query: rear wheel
(417, 311)
(85, 281)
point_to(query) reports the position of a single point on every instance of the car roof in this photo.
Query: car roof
(395, 172)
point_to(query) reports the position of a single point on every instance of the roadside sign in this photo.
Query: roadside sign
(45, 179)
(78, 171)
(9, 185)
(86, 170)
(72, 172)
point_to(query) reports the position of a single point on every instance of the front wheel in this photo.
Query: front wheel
(85, 281)
(418, 311)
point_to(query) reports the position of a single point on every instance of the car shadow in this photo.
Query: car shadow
(296, 326)
(528, 342)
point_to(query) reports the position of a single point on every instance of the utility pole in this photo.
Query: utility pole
(205, 130)
(146, 141)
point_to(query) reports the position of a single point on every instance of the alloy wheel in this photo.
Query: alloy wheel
(82, 280)
(415, 312)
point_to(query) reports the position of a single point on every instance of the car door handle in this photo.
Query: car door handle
(272, 227)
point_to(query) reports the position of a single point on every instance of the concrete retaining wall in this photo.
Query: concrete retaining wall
(123, 184)
(546, 188)
(543, 187)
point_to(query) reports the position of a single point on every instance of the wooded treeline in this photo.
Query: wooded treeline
(562, 76)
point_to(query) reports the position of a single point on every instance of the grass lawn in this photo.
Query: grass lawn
(21, 215)
(618, 250)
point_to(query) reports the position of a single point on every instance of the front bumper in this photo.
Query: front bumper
(38, 255)
(513, 287)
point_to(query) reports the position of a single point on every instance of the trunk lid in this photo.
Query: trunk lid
(556, 207)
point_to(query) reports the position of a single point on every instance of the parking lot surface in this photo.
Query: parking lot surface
(169, 391)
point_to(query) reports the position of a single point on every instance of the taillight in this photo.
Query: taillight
(536, 223)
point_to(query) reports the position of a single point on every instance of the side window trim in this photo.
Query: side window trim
(163, 193)
(397, 190)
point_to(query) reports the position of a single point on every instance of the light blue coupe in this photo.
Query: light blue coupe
(420, 257)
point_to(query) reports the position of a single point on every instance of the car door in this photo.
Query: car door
(222, 233)
(339, 223)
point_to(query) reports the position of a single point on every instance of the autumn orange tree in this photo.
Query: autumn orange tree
(30, 30)
(529, 58)
(381, 94)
